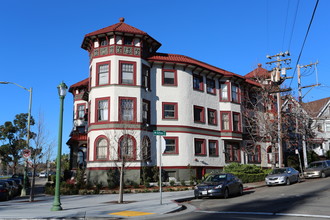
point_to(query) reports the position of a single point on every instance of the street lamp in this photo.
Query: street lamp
(57, 203)
(23, 192)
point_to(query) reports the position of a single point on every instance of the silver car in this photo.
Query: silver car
(318, 169)
(282, 176)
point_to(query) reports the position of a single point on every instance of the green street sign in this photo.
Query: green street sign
(163, 133)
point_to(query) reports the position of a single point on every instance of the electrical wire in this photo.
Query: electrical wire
(303, 45)
(294, 23)
(286, 21)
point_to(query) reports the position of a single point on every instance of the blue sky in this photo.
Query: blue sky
(40, 43)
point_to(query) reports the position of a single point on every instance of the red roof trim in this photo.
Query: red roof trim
(83, 83)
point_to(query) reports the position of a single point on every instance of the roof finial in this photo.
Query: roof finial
(259, 65)
(121, 19)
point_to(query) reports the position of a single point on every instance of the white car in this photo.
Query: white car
(42, 175)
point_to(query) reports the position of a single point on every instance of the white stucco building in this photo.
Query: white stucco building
(133, 90)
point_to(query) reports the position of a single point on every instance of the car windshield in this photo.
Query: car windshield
(315, 165)
(278, 171)
(216, 178)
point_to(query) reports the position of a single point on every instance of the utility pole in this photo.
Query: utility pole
(278, 79)
(300, 97)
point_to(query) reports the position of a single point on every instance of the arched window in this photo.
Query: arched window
(101, 148)
(146, 149)
(127, 148)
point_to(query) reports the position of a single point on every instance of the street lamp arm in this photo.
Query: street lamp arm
(29, 90)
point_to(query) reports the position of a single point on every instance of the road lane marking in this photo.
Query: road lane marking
(131, 213)
(266, 213)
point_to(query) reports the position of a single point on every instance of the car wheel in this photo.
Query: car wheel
(240, 191)
(323, 175)
(288, 181)
(298, 179)
(197, 197)
(226, 193)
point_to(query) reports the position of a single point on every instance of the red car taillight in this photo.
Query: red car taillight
(3, 190)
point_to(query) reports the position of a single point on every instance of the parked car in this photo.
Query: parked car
(4, 191)
(42, 175)
(219, 185)
(19, 183)
(318, 169)
(282, 176)
(14, 187)
(11, 190)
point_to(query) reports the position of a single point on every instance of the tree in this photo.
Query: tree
(13, 137)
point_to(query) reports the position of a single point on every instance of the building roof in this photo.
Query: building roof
(82, 84)
(119, 27)
(315, 107)
(258, 73)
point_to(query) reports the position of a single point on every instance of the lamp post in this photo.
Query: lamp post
(57, 203)
(23, 192)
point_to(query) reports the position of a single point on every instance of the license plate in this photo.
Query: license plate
(204, 192)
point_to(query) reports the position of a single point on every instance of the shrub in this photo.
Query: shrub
(172, 183)
(183, 183)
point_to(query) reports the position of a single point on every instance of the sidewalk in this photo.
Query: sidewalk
(140, 205)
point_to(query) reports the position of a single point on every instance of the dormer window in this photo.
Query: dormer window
(128, 40)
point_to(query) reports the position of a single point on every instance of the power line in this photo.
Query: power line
(303, 45)
(286, 21)
(294, 23)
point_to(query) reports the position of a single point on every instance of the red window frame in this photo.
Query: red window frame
(175, 104)
(215, 120)
(230, 150)
(97, 109)
(229, 120)
(228, 92)
(207, 86)
(238, 95)
(95, 148)
(119, 108)
(121, 73)
(201, 114)
(203, 146)
(175, 77)
(176, 151)
(256, 158)
(77, 110)
(200, 84)
(133, 157)
(239, 127)
(216, 148)
(97, 73)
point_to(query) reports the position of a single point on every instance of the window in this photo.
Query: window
(171, 145)
(128, 40)
(127, 148)
(232, 152)
(270, 155)
(146, 149)
(103, 73)
(327, 127)
(127, 109)
(210, 86)
(146, 111)
(170, 110)
(234, 93)
(199, 114)
(224, 92)
(200, 148)
(212, 116)
(101, 149)
(127, 73)
(255, 155)
(213, 148)
(236, 122)
(103, 41)
(145, 76)
(169, 78)
(225, 121)
(102, 109)
(81, 111)
(198, 83)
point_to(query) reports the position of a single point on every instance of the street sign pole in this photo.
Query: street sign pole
(159, 134)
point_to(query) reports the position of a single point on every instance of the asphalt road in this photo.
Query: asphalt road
(309, 199)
